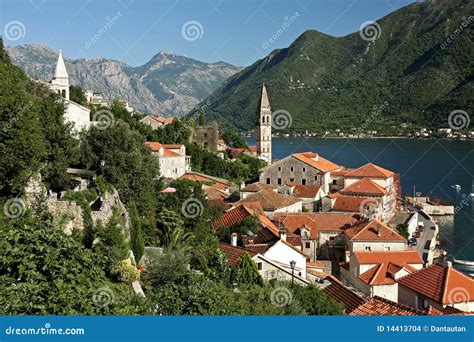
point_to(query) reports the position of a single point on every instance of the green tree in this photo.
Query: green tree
(246, 272)
(120, 155)
(234, 139)
(315, 302)
(76, 94)
(136, 235)
(202, 118)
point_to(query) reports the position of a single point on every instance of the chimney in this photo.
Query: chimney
(242, 185)
(233, 239)
(449, 263)
(283, 233)
(348, 254)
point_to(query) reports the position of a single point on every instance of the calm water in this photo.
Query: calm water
(433, 166)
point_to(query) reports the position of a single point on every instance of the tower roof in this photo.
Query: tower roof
(60, 71)
(264, 103)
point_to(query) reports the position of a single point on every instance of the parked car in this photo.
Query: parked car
(433, 228)
(413, 242)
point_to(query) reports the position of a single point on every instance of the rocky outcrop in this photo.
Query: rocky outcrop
(168, 85)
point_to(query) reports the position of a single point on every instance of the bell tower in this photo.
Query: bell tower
(264, 127)
(60, 81)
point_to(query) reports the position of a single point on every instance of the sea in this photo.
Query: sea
(427, 166)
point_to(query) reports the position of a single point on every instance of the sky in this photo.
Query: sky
(133, 31)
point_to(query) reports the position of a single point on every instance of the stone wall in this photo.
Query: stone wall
(206, 136)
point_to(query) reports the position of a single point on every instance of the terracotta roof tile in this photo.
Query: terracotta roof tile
(256, 187)
(234, 253)
(270, 200)
(316, 161)
(343, 295)
(441, 283)
(377, 306)
(371, 171)
(154, 146)
(372, 231)
(353, 204)
(306, 191)
(364, 187)
(397, 257)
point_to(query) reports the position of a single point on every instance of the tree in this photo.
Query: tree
(316, 302)
(234, 139)
(120, 155)
(202, 118)
(136, 235)
(246, 272)
(76, 94)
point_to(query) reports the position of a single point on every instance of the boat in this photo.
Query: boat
(456, 187)
(466, 263)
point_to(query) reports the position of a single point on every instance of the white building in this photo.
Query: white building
(73, 112)
(172, 159)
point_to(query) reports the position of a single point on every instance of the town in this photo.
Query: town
(302, 221)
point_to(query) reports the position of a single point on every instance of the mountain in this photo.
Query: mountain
(411, 73)
(169, 84)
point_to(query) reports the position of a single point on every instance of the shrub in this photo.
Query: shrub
(125, 272)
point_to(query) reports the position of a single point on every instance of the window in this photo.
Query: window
(334, 182)
(292, 180)
(259, 266)
(304, 169)
(307, 245)
(291, 169)
(279, 168)
(205, 135)
(386, 248)
(268, 180)
(303, 182)
(279, 181)
(367, 248)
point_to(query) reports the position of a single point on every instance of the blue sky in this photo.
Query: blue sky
(132, 31)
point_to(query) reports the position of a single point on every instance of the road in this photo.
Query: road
(425, 242)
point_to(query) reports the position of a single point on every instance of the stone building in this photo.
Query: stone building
(206, 136)
(307, 168)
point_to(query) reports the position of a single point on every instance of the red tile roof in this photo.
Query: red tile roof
(378, 306)
(441, 283)
(306, 191)
(364, 187)
(372, 231)
(315, 222)
(234, 253)
(270, 200)
(353, 204)
(371, 171)
(295, 241)
(256, 187)
(397, 257)
(316, 161)
(343, 295)
(154, 146)
(386, 265)
(218, 183)
(340, 172)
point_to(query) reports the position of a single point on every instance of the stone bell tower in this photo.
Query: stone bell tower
(264, 127)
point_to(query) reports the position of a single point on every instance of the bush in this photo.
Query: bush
(125, 272)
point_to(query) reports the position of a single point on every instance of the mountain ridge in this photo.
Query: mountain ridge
(328, 82)
(168, 84)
